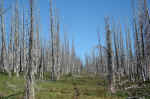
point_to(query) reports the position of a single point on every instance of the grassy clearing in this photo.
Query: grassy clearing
(88, 88)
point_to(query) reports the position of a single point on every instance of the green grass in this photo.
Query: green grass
(88, 87)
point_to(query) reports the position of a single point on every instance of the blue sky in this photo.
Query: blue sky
(81, 18)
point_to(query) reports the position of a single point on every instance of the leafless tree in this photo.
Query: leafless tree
(29, 91)
(109, 56)
(3, 40)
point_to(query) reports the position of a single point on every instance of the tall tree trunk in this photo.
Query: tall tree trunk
(109, 57)
(29, 92)
(52, 42)
(3, 41)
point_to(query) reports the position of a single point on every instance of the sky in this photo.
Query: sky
(81, 19)
(84, 17)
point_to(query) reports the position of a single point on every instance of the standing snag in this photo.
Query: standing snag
(109, 56)
(29, 91)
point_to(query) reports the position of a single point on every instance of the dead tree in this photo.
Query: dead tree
(37, 47)
(100, 54)
(57, 46)
(23, 42)
(73, 54)
(116, 46)
(122, 54)
(129, 54)
(52, 42)
(144, 30)
(16, 40)
(3, 60)
(109, 57)
(10, 48)
(29, 91)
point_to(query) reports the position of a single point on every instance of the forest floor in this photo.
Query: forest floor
(84, 87)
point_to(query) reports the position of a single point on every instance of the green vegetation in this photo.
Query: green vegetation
(87, 87)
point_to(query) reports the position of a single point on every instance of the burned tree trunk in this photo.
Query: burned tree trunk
(109, 57)
(3, 41)
(16, 40)
(29, 91)
(52, 42)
